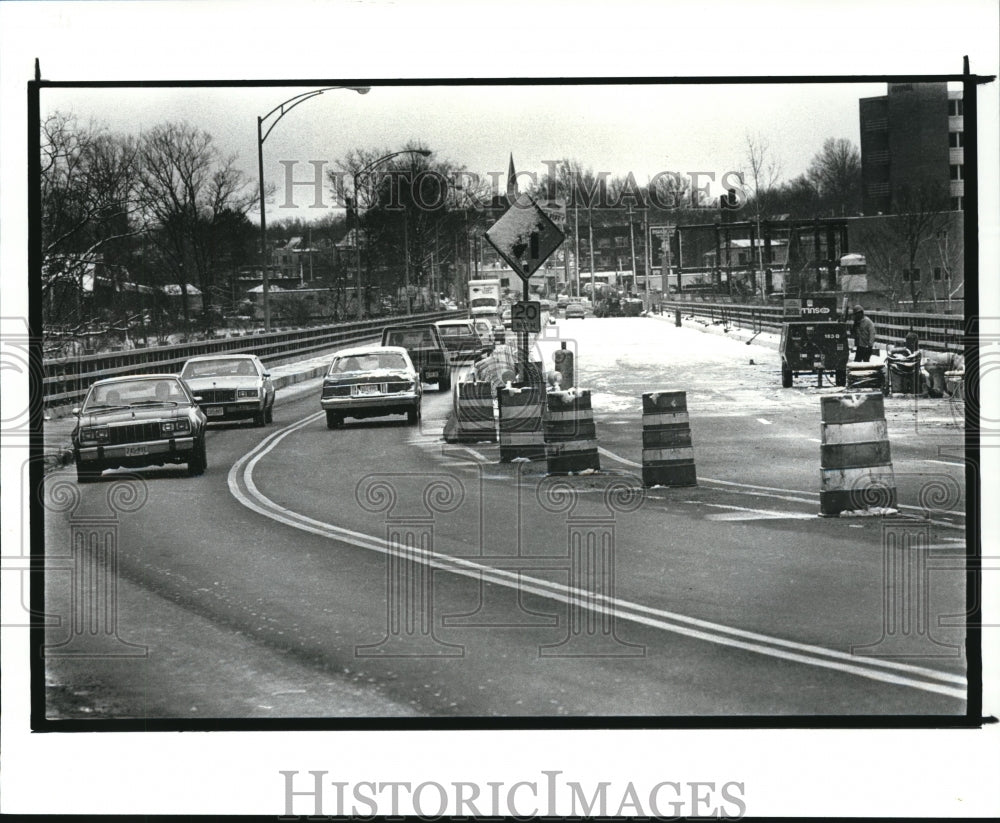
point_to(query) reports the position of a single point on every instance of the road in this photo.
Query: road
(271, 586)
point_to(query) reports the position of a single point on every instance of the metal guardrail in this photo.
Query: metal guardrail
(937, 332)
(67, 379)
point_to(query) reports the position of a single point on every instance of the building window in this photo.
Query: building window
(956, 172)
(955, 108)
(911, 275)
(937, 272)
(906, 275)
(957, 203)
(956, 139)
(620, 242)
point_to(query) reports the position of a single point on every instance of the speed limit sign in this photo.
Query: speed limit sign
(526, 316)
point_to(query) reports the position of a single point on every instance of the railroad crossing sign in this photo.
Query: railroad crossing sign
(525, 236)
(526, 315)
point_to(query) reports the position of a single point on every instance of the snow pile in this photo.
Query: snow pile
(875, 511)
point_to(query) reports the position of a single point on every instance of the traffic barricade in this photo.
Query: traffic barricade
(954, 383)
(855, 461)
(865, 376)
(521, 434)
(570, 433)
(474, 413)
(667, 452)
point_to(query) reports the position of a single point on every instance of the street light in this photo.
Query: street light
(357, 222)
(282, 109)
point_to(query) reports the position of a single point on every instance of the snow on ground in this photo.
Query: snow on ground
(620, 358)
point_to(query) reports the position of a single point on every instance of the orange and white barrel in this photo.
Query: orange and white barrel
(474, 413)
(855, 461)
(521, 433)
(570, 433)
(667, 452)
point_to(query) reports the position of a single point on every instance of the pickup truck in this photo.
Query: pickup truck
(423, 343)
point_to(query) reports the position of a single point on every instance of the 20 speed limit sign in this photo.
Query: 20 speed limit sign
(526, 316)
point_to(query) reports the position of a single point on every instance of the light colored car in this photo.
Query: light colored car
(231, 387)
(574, 310)
(142, 420)
(371, 381)
(488, 331)
(562, 301)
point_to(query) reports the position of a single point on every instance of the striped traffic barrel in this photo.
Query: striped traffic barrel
(521, 433)
(570, 434)
(855, 463)
(865, 376)
(667, 453)
(474, 413)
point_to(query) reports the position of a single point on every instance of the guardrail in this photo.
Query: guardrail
(67, 379)
(937, 332)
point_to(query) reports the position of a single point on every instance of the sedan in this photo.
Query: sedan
(460, 338)
(574, 310)
(149, 419)
(231, 387)
(371, 382)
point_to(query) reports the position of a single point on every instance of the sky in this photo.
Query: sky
(636, 128)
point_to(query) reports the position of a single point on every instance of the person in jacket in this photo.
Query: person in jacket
(864, 336)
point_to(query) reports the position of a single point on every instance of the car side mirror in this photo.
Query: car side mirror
(76, 411)
(197, 399)
(267, 374)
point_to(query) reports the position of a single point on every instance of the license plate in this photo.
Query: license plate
(432, 374)
(135, 451)
(218, 411)
(368, 388)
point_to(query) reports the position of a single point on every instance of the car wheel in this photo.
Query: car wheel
(87, 475)
(334, 420)
(786, 377)
(444, 384)
(199, 459)
(412, 415)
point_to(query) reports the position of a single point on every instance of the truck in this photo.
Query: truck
(484, 298)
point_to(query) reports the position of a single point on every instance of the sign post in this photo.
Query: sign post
(525, 237)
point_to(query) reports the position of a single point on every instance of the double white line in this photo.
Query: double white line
(243, 488)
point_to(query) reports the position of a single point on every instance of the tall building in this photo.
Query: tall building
(913, 136)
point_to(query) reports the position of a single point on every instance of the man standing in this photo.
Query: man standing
(864, 336)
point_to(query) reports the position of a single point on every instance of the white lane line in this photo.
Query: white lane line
(765, 422)
(814, 496)
(744, 513)
(819, 656)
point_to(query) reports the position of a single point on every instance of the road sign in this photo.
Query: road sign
(526, 315)
(525, 237)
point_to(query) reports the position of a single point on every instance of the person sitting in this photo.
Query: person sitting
(246, 369)
(163, 391)
(112, 398)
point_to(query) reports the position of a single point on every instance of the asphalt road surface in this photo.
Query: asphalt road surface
(376, 571)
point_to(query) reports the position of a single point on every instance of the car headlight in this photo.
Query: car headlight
(98, 434)
(179, 426)
(247, 393)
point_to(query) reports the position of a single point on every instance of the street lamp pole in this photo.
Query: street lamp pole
(281, 109)
(357, 223)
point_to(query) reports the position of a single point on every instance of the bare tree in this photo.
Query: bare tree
(835, 173)
(898, 241)
(761, 177)
(88, 210)
(188, 189)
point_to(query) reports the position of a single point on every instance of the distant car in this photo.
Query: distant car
(143, 420)
(487, 331)
(547, 305)
(562, 301)
(505, 317)
(460, 338)
(371, 382)
(231, 387)
(426, 350)
(574, 310)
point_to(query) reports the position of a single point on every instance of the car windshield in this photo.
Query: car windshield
(221, 367)
(162, 390)
(411, 338)
(479, 302)
(455, 331)
(375, 361)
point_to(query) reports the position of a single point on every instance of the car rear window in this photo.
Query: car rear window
(411, 338)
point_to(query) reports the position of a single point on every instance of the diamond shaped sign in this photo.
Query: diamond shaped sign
(525, 237)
